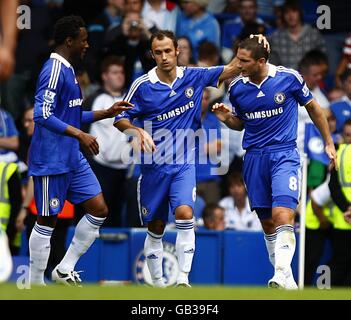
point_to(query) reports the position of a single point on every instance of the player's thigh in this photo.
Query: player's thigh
(286, 179)
(84, 184)
(152, 196)
(182, 192)
(50, 193)
(257, 179)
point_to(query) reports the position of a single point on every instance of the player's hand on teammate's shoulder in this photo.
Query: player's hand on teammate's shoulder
(118, 107)
(261, 38)
(89, 143)
(222, 111)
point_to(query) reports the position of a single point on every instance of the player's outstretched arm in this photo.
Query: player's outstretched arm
(317, 116)
(224, 114)
(143, 138)
(111, 112)
(232, 69)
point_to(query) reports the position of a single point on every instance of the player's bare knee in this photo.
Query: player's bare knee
(101, 211)
(282, 216)
(268, 226)
(184, 213)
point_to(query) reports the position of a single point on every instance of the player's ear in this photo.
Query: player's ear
(69, 41)
(152, 55)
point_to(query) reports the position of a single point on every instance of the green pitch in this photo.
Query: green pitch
(133, 292)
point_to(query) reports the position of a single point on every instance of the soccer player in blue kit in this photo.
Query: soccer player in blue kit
(58, 167)
(169, 97)
(265, 102)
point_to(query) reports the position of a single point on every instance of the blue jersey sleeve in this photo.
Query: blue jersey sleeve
(133, 96)
(300, 90)
(48, 89)
(10, 125)
(210, 76)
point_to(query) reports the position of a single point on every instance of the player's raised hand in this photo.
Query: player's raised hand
(261, 38)
(347, 215)
(89, 143)
(330, 151)
(222, 111)
(118, 107)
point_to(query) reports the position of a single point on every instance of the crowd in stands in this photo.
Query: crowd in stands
(207, 31)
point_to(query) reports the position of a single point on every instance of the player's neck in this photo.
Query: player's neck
(167, 76)
(63, 52)
(260, 75)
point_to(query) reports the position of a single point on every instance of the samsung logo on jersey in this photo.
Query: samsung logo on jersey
(175, 112)
(264, 114)
(75, 103)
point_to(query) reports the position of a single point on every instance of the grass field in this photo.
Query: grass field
(133, 292)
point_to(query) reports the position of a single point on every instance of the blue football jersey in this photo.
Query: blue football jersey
(58, 97)
(171, 113)
(269, 110)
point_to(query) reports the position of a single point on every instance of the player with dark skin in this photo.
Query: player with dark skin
(70, 49)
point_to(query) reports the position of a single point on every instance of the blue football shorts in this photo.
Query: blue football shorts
(77, 186)
(162, 189)
(273, 177)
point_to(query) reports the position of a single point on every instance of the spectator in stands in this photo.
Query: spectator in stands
(131, 41)
(197, 24)
(160, 15)
(185, 57)
(340, 190)
(312, 70)
(233, 28)
(335, 94)
(9, 141)
(237, 212)
(207, 185)
(345, 62)
(213, 217)
(110, 17)
(342, 108)
(108, 165)
(292, 42)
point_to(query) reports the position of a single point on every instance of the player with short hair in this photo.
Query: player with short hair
(169, 97)
(265, 102)
(58, 167)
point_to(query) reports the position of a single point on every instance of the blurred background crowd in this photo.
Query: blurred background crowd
(207, 31)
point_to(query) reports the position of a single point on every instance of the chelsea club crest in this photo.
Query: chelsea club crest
(279, 97)
(189, 92)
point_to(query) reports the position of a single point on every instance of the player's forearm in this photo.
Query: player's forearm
(9, 143)
(8, 19)
(230, 70)
(124, 124)
(317, 116)
(234, 123)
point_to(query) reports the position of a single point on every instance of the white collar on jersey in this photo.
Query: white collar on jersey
(154, 78)
(272, 70)
(56, 56)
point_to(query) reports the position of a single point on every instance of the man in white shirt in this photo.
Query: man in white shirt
(238, 215)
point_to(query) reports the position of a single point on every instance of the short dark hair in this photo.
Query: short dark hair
(258, 51)
(208, 212)
(347, 123)
(161, 34)
(235, 178)
(111, 60)
(208, 49)
(345, 75)
(312, 57)
(293, 5)
(68, 26)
